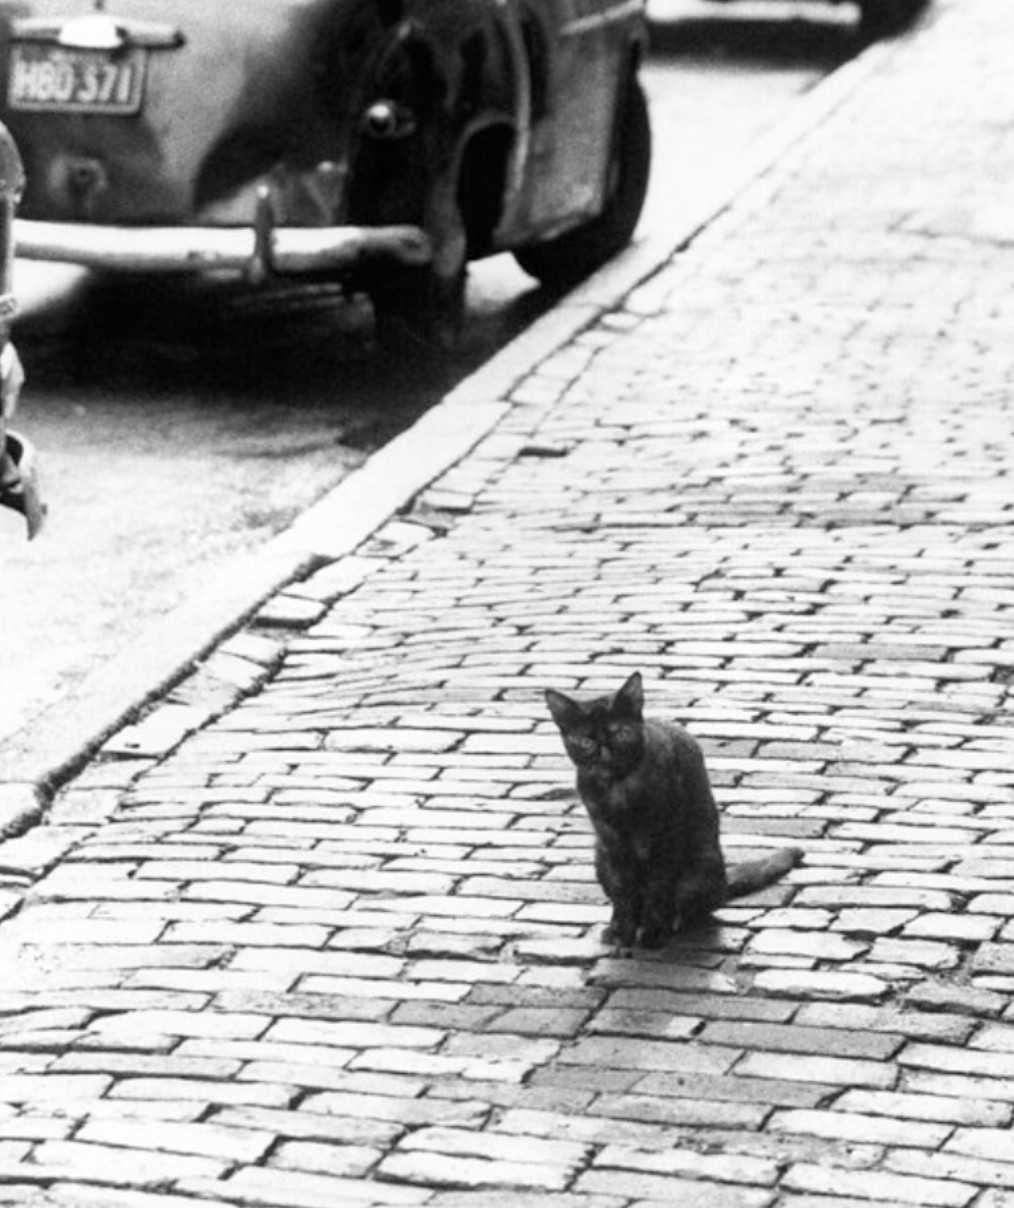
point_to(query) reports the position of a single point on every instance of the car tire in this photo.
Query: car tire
(564, 261)
(885, 18)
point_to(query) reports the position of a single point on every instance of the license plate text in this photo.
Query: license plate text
(57, 79)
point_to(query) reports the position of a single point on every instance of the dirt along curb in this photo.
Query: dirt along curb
(48, 751)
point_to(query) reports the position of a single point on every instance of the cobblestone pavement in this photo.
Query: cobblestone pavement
(341, 945)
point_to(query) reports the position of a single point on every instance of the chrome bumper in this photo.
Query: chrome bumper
(258, 252)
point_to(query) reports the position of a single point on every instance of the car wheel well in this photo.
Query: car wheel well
(482, 177)
(536, 44)
(560, 262)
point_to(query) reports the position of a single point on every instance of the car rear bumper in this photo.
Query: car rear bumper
(258, 252)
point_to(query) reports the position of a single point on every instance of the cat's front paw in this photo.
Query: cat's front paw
(658, 933)
(619, 937)
(655, 937)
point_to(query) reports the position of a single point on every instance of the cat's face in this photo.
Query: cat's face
(606, 734)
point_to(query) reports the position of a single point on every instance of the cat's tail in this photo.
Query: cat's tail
(752, 875)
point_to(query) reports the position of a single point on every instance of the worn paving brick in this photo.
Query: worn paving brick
(840, 1071)
(960, 1061)
(439, 1170)
(958, 1167)
(164, 1137)
(197, 1091)
(882, 1187)
(343, 1161)
(305, 1123)
(975, 1088)
(629, 1053)
(119, 1165)
(873, 1130)
(701, 1006)
(796, 1038)
(651, 1189)
(935, 1025)
(989, 1143)
(296, 1189)
(721, 1168)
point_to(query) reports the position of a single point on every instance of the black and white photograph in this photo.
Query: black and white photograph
(507, 604)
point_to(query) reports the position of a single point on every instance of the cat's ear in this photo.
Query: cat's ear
(564, 710)
(630, 698)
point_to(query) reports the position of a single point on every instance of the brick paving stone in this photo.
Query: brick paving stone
(926, 954)
(541, 1122)
(117, 1164)
(972, 1087)
(962, 1061)
(989, 1143)
(937, 1026)
(623, 1052)
(995, 1037)
(935, 996)
(997, 1198)
(632, 1022)
(873, 1130)
(825, 946)
(722, 1168)
(306, 1123)
(819, 984)
(797, 1038)
(840, 1071)
(943, 1165)
(66, 1195)
(197, 1091)
(344, 1161)
(994, 958)
(873, 922)
(267, 1187)
(926, 1107)
(163, 1137)
(142, 1064)
(528, 1021)
(621, 972)
(372, 988)
(713, 1006)
(881, 1187)
(518, 1198)
(651, 1189)
(680, 1111)
(770, 1092)
(442, 1170)
(406, 1109)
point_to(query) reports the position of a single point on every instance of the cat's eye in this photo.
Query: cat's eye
(622, 734)
(582, 744)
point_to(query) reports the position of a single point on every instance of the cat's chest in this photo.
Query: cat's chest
(621, 808)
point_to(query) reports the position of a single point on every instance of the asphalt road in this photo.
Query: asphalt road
(182, 426)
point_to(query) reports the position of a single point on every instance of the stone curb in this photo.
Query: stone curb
(46, 752)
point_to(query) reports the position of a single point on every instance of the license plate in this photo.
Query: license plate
(58, 79)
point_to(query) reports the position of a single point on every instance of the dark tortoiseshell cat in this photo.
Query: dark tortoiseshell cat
(646, 790)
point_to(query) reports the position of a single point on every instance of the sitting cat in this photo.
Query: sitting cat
(646, 790)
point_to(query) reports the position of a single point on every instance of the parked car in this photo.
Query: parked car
(381, 143)
(18, 479)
